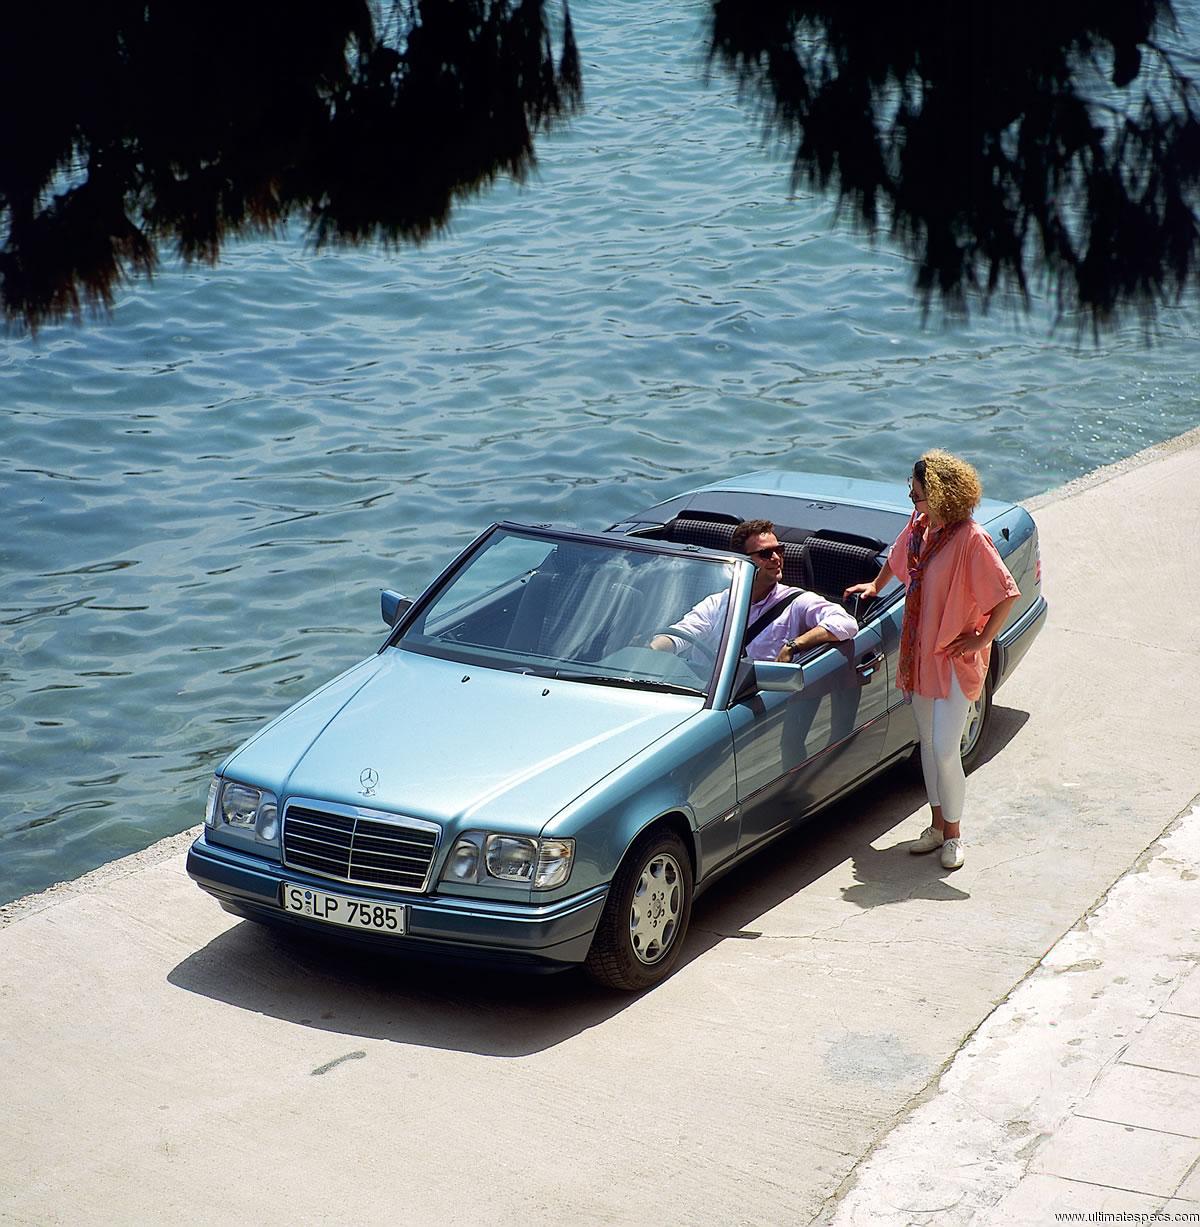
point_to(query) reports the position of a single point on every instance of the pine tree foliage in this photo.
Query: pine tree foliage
(133, 124)
(1004, 147)
(1007, 149)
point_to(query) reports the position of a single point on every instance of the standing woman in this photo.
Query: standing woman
(959, 595)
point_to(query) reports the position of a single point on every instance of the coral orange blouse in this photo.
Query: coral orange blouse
(965, 581)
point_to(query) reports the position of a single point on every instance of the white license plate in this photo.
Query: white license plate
(340, 910)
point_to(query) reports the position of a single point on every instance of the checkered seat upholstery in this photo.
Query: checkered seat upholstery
(835, 565)
(820, 564)
(714, 535)
(797, 567)
(710, 534)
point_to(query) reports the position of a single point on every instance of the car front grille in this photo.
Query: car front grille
(353, 845)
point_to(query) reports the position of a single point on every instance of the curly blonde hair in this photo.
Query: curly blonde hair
(952, 486)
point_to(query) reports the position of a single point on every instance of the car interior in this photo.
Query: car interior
(578, 606)
(584, 607)
(823, 561)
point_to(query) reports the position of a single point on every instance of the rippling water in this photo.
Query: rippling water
(203, 496)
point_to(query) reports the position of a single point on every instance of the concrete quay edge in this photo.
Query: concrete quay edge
(100, 877)
(1156, 453)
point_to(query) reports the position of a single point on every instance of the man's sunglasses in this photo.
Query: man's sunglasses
(768, 553)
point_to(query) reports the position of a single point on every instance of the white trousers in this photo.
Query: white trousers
(940, 723)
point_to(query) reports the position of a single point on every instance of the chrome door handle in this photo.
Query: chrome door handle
(866, 668)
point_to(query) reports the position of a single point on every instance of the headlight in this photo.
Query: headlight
(242, 814)
(541, 863)
(239, 804)
(511, 857)
(267, 825)
(462, 865)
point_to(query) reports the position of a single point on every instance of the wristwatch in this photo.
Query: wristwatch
(794, 644)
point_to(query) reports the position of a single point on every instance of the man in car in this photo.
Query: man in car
(786, 621)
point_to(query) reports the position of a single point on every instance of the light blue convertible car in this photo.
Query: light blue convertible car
(516, 776)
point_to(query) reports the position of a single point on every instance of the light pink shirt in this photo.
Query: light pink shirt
(704, 622)
(964, 582)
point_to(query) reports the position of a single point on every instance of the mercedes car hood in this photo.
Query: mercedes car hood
(460, 745)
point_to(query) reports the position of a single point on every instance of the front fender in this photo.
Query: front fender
(690, 771)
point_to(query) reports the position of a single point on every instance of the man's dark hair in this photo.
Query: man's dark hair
(747, 529)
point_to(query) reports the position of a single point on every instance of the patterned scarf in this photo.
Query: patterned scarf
(907, 672)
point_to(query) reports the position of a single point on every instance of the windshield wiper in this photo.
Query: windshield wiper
(632, 683)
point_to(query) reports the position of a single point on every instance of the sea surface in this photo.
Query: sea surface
(203, 495)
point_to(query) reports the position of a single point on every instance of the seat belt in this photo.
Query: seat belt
(765, 618)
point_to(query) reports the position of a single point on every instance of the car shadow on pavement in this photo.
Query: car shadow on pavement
(1006, 723)
(845, 832)
(406, 1001)
(347, 991)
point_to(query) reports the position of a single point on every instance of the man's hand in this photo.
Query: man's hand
(661, 643)
(798, 646)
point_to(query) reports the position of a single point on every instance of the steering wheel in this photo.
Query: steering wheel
(689, 638)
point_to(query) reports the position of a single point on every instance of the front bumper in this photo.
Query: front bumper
(543, 937)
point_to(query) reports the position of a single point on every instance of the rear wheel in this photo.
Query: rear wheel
(979, 717)
(641, 931)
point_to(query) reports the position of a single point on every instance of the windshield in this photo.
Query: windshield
(578, 610)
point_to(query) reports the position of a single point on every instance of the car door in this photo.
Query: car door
(792, 751)
(902, 727)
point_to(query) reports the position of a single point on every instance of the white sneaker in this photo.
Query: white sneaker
(952, 854)
(929, 839)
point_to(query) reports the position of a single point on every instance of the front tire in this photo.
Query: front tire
(640, 935)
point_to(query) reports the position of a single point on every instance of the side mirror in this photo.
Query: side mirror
(393, 606)
(774, 675)
(754, 676)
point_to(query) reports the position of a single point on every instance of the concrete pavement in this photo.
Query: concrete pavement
(165, 1062)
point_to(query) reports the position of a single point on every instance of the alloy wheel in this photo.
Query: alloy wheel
(654, 915)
